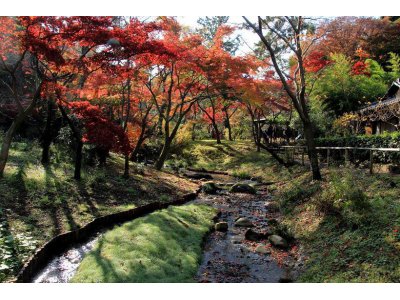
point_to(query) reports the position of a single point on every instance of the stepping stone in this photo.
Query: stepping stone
(221, 226)
(209, 187)
(278, 241)
(243, 222)
(255, 236)
(262, 249)
(242, 188)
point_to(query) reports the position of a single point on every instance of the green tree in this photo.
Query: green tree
(208, 30)
(342, 91)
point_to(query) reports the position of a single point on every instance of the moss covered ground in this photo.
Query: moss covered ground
(164, 246)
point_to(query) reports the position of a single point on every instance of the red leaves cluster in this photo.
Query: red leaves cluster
(360, 68)
(316, 61)
(99, 130)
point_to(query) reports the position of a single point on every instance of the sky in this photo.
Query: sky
(248, 36)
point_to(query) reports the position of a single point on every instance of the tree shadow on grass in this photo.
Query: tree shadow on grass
(156, 248)
(62, 204)
(343, 253)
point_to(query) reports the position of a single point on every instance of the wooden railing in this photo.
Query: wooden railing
(346, 154)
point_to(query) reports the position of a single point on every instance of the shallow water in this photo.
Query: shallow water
(62, 268)
(227, 256)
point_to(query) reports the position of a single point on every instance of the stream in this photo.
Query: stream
(227, 256)
(62, 268)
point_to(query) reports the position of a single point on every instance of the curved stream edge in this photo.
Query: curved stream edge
(63, 241)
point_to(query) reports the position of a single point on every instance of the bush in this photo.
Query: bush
(343, 198)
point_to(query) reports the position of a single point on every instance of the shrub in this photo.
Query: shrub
(343, 198)
(241, 174)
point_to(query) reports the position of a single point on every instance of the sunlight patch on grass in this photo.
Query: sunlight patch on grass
(164, 246)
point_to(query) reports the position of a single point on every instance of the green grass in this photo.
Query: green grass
(238, 158)
(164, 246)
(348, 225)
(38, 202)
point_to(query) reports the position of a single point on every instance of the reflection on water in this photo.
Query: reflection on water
(62, 268)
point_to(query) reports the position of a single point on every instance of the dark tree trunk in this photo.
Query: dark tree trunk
(126, 169)
(160, 119)
(46, 152)
(258, 136)
(164, 153)
(5, 147)
(217, 133)
(228, 124)
(194, 132)
(135, 151)
(79, 144)
(312, 152)
(275, 155)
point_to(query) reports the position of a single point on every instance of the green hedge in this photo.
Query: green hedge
(386, 140)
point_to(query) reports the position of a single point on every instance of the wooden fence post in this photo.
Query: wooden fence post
(371, 161)
(327, 157)
(346, 157)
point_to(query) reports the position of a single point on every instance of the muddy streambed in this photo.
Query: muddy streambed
(227, 256)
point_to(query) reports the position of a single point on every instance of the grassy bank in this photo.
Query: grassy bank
(164, 246)
(37, 202)
(348, 224)
(238, 158)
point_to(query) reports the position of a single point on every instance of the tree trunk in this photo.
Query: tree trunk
(194, 132)
(311, 151)
(215, 126)
(136, 149)
(275, 155)
(164, 153)
(46, 152)
(228, 125)
(230, 131)
(160, 119)
(79, 144)
(5, 147)
(126, 170)
(258, 137)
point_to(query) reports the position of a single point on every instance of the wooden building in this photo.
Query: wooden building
(384, 115)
